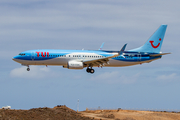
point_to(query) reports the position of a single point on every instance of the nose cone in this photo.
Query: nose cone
(15, 58)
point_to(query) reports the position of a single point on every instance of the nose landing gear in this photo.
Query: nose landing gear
(28, 69)
(90, 70)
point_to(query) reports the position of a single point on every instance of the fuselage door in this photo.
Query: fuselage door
(33, 55)
(138, 57)
(81, 57)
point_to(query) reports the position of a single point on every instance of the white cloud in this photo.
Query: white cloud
(35, 72)
(84, 20)
(167, 78)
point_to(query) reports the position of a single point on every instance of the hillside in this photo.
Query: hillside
(65, 113)
(56, 113)
(131, 115)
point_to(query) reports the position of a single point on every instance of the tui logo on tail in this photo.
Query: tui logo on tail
(153, 42)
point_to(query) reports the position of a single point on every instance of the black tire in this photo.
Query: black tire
(88, 70)
(28, 69)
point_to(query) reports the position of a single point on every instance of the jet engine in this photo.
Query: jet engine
(75, 65)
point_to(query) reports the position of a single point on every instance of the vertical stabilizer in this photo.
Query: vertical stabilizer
(154, 43)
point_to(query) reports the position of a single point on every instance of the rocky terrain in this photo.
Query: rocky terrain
(61, 112)
(56, 113)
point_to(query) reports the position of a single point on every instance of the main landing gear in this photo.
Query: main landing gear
(90, 70)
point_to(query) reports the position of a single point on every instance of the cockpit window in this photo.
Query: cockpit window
(22, 54)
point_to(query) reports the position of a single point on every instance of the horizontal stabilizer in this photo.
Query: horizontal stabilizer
(154, 55)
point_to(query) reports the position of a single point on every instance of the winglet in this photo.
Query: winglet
(101, 46)
(122, 49)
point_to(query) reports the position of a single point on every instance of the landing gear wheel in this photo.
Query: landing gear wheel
(28, 69)
(91, 70)
(88, 70)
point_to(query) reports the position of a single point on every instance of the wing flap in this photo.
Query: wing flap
(100, 61)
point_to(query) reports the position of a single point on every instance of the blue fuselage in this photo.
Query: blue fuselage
(62, 57)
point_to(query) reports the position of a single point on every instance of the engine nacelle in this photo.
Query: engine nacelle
(75, 65)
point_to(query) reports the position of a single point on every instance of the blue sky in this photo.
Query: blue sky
(58, 24)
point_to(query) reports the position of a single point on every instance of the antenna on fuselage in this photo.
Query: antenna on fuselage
(78, 106)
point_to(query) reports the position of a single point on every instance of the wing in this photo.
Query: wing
(101, 61)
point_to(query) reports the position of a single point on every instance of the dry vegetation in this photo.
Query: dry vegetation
(65, 113)
(131, 115)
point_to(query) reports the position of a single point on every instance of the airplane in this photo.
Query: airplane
(79, 59)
